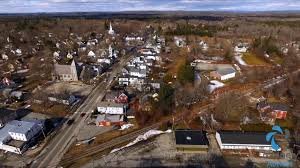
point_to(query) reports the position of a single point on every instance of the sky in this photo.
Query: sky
(35, 6)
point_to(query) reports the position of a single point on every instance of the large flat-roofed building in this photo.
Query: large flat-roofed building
(23, 130)
(191, 140)
(15, 135)
(239, 140)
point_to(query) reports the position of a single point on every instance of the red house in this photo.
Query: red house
(277, 110)
(117, 97)
(122, 98)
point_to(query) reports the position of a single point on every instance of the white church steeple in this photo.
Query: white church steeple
(111, 31)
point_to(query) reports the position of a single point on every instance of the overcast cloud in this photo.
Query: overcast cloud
(33, 6)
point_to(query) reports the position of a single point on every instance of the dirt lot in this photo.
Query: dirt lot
(156, 152)
(77, 88)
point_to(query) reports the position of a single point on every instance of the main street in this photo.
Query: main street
(54, 151)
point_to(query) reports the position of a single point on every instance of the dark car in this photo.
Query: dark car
(70, 122)
(82, 114)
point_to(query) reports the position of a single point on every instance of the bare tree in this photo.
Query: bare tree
(231, 107)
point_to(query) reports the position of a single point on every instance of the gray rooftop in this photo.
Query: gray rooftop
(109, 104)
(21, 127)
(108, 117)
(4, 132)
(225, 71)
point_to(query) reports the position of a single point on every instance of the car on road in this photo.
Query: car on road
(70, 122)
(82, 114)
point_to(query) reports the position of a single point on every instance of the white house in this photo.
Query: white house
(123, 80)
(203, 45)
(138, 72)
(131, 80)
(238, 140)
(62, 98)
(4, 57)
(241, 48)
(180, 41)
(18, 52)
(91, 54)
(104, 60)
(223, 73)
(111, 108)
(147, 51)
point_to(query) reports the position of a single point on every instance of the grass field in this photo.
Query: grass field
(252, 59)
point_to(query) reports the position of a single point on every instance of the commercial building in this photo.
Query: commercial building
(191, 140)
(16, 135)
(240, 140)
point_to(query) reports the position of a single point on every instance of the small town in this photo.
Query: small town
(149, 89)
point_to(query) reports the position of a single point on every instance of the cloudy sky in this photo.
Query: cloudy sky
(33, 6)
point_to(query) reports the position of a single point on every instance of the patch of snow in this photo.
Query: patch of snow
(214, 84)
(126, 126)
(143, 137)
(240, 60)
(202, 61)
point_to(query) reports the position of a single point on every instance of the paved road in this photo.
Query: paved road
(52, 154)
(119, 140)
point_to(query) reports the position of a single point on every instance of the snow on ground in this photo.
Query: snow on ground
(214, 84)
(143, 137)
(203, 61)
(126, 126)
(240, 60)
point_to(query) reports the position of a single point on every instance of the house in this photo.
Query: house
(109, 120)
(123, 80)
(6, 115)
(133, 38)
(147, 51)
(272, 111)
(180, 41)
(191, 140)
(91, 54)
(240, 140)
(203, 45)
(105, 60)
(111, 108)
(16, 135)
(223, 73)
(82, 47)
(56, 55)
(116, 96)
(62, 98)
(66, 72)
(241, 48)
(137, 72)
(17, 95)
(4, 56)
